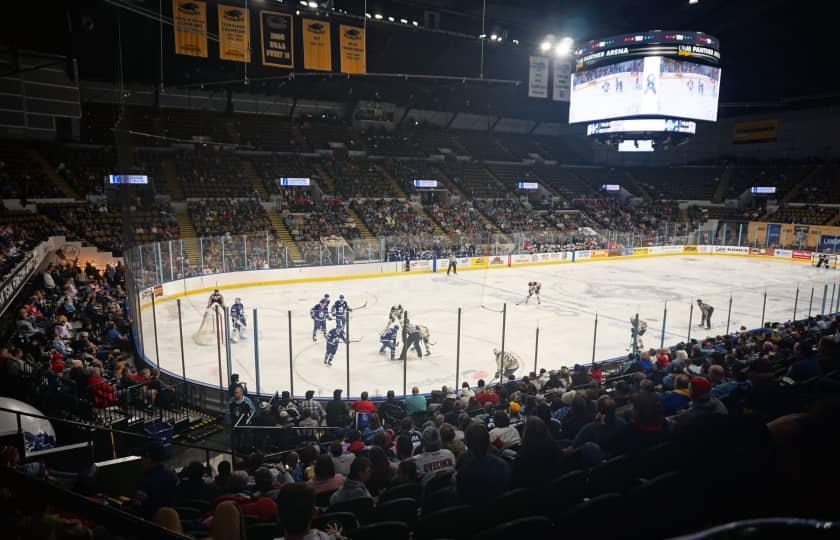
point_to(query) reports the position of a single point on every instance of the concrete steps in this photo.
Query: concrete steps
(170, 174)
(360, 225)
(192, 249)
(52, 174)
(794, 191)
(256, 183)
(284, 234)
(395, 186)
(723, 185)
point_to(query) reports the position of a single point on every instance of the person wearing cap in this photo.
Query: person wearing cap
(433, 459)
(702, 404)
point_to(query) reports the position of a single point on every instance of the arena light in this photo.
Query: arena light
(545, 46)
(304, 3)
(692, 2)
(368, 15)
(313, 5)
(404, 21)
(493, 37)
(390, 19)
(378, 16)
(415, 23)
(516, 42)
(482, 36)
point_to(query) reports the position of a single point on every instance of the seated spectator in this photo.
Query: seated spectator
(647, 426)
(676, 399)
(406, 474)
(448, 441)
(580, 414)
(538, 459)
(354, 486)
(805, 365)
(415, 402)
(433, 459)
(223, 472)
(702, 404)
(503, 436)
(482, 476)
(341, 460)
(565, 405)
(721, 387)
(194, 486)
(374, 426)
(158, 485)
(314, 407)
(604, 429)
(381, 472)
(391, 410)
(326, 479)
(297, 508)
(336, 410)
(486, 395)
(238, 405)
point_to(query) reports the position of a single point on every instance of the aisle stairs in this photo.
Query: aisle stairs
(280, 228)
(53, 176)
(192, 249)
(170, 174)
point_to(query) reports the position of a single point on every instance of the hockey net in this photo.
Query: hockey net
(211, 331)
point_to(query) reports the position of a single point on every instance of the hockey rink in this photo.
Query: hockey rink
(572, 295)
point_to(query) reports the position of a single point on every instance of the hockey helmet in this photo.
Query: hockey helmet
(395, 328)
(496, 351)
(326, 295)
(238, 300)
(215, 290)
(341, 297)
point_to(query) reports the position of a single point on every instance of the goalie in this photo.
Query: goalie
(640, 344)
(506, 364)
(216, 299)
(238, 325)
(210, 331)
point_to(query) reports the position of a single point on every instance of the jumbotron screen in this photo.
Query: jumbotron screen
(649, 86)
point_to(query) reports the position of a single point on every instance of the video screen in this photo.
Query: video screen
(646, 86)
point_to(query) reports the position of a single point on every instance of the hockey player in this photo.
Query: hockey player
(643, 325)
(335, 336)
(388, 339)
(340, 311)
(237, 319)
(319, 314)
(705, 314)
(425, 335)
(506, 364)
(534, 290)
(822, 260)
(216, 299)
(411, 338)
(326, 300)
(396, 314)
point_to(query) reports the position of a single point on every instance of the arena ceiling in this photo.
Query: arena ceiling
(771, 50)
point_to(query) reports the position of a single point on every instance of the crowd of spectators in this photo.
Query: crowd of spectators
(328, 218)
(390, 217)
(359, 180)
(217, 217)
(511, 215)
(460, 218)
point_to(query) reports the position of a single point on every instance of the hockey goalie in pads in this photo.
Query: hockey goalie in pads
(506, 364)
(238, 324)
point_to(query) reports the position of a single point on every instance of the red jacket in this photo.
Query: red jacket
(364, 406)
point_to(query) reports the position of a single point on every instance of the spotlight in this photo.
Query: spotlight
(368, 15)
(415, 23)
(313, 5)
(562, 49)
(493, 37)
(378, 16)
(545, 46)
(391, 19)
(692, 2)
(404, 21)
(516, 42)
(482, 36)
(304, 3)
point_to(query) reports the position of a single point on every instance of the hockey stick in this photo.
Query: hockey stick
(363, 306)
(491, 309)
(356, 340)
(523, 300)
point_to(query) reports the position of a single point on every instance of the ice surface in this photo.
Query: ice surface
(572, 294)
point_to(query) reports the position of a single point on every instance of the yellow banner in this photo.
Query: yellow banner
(353, 56)
(277, 37)
(756, 131)
(189, 20)
(317, 53)
(234, 34)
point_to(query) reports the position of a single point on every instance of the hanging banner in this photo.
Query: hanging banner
(189, 21)
(234, 34)
(538, 77)
(352, 42)
(277, 39)
(562, 80)
(317, 54)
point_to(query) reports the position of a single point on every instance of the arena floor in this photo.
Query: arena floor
(572, 295)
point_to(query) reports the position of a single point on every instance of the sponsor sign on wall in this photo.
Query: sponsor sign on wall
(600, 253)
(421, 265)
(640, 251)
(783, 253)
(690, 249)
(762, 251)
(497, 260)
(583, 255)
(801, 255)
(731, 249)
(671, 249)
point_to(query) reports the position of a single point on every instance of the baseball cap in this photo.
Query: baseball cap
(699, 388)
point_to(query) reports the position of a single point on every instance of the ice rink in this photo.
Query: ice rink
(572, 295)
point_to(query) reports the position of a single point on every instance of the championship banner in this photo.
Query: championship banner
(234, 34)
(353, 55)
(756, 131)
(277, 39)
(317, 54)
(562, 80)
(538, 76)
(189, 20)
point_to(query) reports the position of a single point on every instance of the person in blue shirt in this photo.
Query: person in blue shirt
(335, 336)
(319, 314)
(388, 338)
(340, 311)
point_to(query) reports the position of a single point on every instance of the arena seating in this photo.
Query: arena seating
(329, 217)
(355, 179)
(393, 217)
(209, 173)
(460, 218)
(218, 217)
(806, 215)
(686, 182)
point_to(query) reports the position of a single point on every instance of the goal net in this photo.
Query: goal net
(211, 330)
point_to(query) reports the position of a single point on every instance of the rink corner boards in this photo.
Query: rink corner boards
(233, 280)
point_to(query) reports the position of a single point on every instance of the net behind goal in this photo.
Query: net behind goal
(211, 330)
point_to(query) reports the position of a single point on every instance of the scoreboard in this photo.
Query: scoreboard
(693, 46)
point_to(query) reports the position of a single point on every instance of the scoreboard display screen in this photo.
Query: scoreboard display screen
(420, 183)
(611, 187)
(293, 182)
(127, 179)
(763, 190)
(529, 185)
(638, 125)
(649, 86)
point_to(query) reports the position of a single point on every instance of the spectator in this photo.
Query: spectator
(158, 485)
(604, 430)
(238, 405)
(482, 476)
(194, 486)
(539, 458)
(647, 426)
(391, 410)
(364, 404)
(805, 365)
(337, 414)
(326, 478)
(486, 395)
(702, 404)
(415, 403)
(374, 426)
(381, 471)
(341, 460)
(448, 441)
(503, 436)
(297, 508)
(676, 399)
(354, 486)
(433, 460)
(313, 407)
(580, 414)
(721, 387)
(222, 476)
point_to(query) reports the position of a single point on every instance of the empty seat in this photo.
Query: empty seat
(508, 506)
(614, 475)
(358, 507)
(456, 522)
(528, 527)
(404, 510)
(384, 530)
